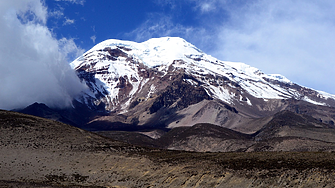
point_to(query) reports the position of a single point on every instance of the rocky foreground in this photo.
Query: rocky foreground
(35, 152)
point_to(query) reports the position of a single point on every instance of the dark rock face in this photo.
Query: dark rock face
(78, 115)
(42, 110)
(200, 130)
(125, 88)
(180, 92)
(116, 52)
(292, 120)
(38, 109)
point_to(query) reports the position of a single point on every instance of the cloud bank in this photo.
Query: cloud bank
(33, 63)
(293, 38)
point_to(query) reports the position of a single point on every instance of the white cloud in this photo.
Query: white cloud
(153, 27)
(26, 8)
(203, 5)
(206, 7)
(69, 48)
(56, 13)
(68, 21)
(33, 64)
(210, 6)
(159, 26)
(293, 38)
(80, 2)
(93, 38)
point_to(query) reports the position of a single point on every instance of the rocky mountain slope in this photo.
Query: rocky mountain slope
(36, 152)
(168, 82)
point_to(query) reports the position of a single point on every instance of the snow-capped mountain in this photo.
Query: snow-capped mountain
(169, 82)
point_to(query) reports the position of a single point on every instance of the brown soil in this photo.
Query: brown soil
(36, 152)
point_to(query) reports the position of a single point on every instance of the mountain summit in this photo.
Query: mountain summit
(168, 82)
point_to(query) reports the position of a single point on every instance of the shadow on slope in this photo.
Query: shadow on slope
(285, 131)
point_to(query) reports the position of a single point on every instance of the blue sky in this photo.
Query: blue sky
(99, 19)
(38, 38)
(134, 20)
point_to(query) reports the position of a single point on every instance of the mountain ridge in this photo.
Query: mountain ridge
(163, 81)
(168, 82)
(166, 51)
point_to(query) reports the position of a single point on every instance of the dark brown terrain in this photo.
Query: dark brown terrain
(36, 152)
(284, 131)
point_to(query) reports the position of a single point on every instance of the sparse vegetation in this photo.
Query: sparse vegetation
(45, 153)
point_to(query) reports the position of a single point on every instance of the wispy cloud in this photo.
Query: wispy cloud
(56, 13)
(68, 21)
(80, 2)
(294, 38)
(171, 3)
(93, 38)
(158, 25)
(206, 6)
(69, 49)
(33, 64)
